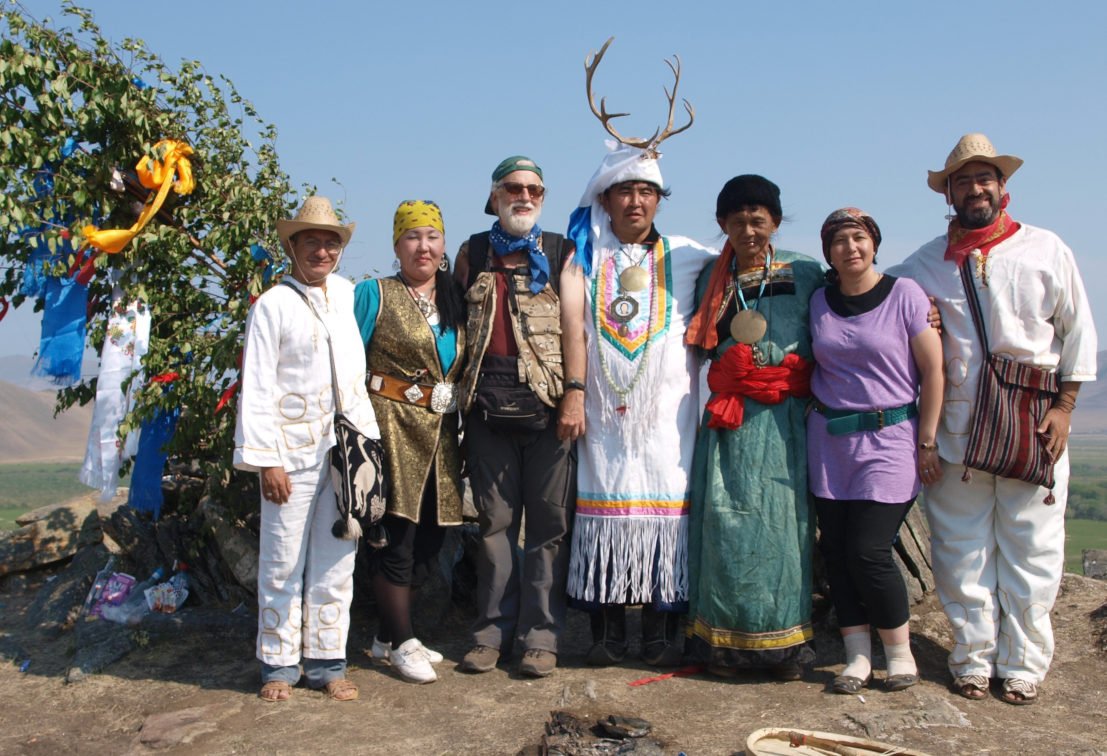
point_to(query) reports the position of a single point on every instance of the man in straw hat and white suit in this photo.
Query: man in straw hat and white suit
(285, 433)
(630, 532)
(998, 543)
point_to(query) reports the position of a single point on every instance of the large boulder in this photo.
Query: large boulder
(50, 534)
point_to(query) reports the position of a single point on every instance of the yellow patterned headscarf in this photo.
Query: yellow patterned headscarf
(416, 214)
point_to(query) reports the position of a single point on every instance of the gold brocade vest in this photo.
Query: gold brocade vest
(415, 438)
(537, 329)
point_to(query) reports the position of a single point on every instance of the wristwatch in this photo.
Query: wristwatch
(574, 385)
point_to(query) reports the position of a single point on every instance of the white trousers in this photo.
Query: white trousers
(305, 574)
(998, 554)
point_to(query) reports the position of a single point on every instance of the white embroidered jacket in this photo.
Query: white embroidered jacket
(286, 406)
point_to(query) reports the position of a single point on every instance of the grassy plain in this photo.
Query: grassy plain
(28, 485)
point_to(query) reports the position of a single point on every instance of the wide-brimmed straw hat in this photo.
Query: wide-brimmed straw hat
(316, 212)
(970, 148)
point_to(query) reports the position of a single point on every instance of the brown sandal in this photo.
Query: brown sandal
(341, 690)
(275, 691)
(972, 687)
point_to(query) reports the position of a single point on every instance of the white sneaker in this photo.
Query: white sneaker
(382, 650)
(411, 662)
(432, 656)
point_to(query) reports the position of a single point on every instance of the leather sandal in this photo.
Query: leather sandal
(847, 685)
(1019, 692)
(275, 691)
(972, 687)
(341, 690)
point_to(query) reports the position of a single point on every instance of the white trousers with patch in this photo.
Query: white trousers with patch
(305, 574)
(998, 554)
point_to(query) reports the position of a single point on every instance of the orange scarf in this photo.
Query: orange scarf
(962, 241)
(735, 376)
(702, 331)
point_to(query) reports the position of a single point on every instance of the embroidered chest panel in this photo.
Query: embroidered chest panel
(628, 320)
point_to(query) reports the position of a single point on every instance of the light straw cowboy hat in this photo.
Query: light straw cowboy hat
(970, 148)
(316, 212)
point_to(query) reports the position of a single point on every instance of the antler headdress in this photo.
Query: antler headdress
(650, 145)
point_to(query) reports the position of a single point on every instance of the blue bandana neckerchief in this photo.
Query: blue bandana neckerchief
(504, 243)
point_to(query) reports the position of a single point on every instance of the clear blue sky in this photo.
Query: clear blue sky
(839, 103)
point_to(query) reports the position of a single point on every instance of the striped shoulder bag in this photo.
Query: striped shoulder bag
(1011, 401)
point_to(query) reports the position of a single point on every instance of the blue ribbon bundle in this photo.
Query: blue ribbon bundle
(157, 432)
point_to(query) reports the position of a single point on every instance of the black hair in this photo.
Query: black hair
(748, 191)
(663, 192)
(448, 297)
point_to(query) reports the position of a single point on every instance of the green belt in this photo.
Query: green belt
(841, 422)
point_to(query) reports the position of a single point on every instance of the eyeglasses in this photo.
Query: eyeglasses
(313, 244)
(515, 189)
(983, 179)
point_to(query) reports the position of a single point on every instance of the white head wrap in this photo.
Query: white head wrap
(589, 224)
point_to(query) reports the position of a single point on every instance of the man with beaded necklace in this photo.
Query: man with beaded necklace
(630, 531)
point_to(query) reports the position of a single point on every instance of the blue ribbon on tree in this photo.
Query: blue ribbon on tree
(149, 468)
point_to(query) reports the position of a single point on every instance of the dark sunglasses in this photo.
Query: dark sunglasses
(515, 189)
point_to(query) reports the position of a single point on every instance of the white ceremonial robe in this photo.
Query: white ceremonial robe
(998, 549)
(285, 419)
(630, 532)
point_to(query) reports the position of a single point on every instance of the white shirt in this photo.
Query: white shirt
(286, 405)
(1035, 309)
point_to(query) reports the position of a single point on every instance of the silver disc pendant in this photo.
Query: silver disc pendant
(748, 327)
(622, 309)
(634, 278)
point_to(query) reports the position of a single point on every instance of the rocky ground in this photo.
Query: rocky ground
(190, 687)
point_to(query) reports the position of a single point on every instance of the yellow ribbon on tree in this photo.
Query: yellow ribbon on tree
(152, 174)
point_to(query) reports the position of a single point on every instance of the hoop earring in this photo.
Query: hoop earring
(444, 265)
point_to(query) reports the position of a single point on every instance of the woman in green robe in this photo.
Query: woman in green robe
(752, 522)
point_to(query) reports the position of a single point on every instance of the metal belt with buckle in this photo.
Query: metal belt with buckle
(440, 398)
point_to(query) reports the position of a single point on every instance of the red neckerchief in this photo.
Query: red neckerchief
(963, 241)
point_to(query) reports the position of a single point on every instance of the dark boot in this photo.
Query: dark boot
(661, 645)
(609, 636)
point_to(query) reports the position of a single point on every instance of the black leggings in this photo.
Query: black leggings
(409, 543)
(856, 542)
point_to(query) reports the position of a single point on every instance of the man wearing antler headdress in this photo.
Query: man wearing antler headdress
(631, 524)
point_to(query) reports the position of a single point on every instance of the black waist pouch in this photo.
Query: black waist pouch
(504, 403)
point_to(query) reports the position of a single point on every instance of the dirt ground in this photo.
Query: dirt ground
(197, 695)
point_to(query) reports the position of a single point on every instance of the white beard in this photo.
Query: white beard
(517, 225)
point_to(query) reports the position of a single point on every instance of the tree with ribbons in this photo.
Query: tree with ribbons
(137, 213)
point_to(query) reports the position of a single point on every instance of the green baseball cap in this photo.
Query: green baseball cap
(510, 165)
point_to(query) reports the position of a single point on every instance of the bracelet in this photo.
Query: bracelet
(574, 385)
(928, 447)
(1065, 405)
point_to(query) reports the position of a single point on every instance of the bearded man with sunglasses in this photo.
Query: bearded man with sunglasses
(999, 542)
(522, 394)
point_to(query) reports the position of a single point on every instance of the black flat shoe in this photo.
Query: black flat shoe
(848, 685)
(893, 683)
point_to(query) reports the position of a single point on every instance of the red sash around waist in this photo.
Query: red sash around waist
(735, 376)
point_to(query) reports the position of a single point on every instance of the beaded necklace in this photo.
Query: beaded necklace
(621, 392)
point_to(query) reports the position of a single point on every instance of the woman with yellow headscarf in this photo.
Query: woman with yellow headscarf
(412, 325)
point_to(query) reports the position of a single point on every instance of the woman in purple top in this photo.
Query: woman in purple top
(868, 443)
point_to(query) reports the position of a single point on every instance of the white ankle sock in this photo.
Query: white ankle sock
(900, 659)
(859, 652)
